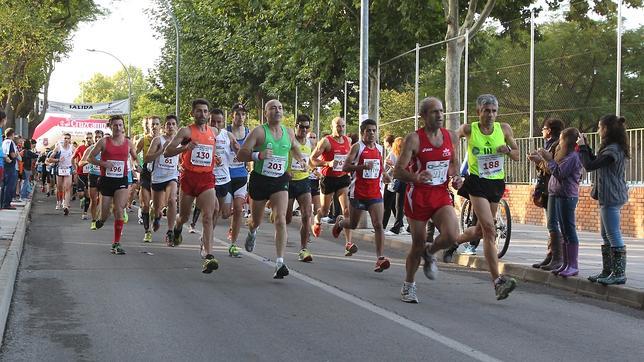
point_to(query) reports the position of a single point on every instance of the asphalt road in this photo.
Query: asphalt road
(74, 301)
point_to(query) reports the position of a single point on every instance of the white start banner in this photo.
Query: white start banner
(85, 110)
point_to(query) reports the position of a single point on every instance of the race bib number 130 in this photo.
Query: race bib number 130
(201, 155)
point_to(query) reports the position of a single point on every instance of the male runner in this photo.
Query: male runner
(434, 160)
(333, 150)
(366, 161)
(299, 187)
(142, 147)
(314, 178)
(82, 171)
(93, 178)
(113, 185)
(488, 142)
(238, 173)
(196, 144)
(225, 151)
(62, 156)
(268, 146)
(164, 178)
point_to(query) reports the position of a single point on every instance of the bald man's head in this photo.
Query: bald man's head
(339, 126)
(273, 111)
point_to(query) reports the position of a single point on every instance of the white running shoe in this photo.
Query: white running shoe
(408, 293)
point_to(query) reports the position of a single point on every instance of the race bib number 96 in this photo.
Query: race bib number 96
(201, 155)
(274, 166)
(338, 162)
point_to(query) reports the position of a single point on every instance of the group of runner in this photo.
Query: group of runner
(204, 167)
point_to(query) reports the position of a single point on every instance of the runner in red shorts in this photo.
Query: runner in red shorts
(365, 161)
(427, 161)
(196, 144)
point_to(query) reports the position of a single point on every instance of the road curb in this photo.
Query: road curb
(620, 294)
(10, 264)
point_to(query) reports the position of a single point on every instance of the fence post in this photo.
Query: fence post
(416, 85)
(377, 100)
(618, 82)
(531, 134)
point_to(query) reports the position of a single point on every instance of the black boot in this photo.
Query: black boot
(606, 264)
(548, 258)
(618, 268)
(557, 252)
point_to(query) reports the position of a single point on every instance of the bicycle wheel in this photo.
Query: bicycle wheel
(466, 215)
(503, 228)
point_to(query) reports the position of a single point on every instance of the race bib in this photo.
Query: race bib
(95, 169)
(64, 171)
(296, 166)
(116, 170)
(490, 165)
(338, 162)
(87, 168)
(374, 173)
(167, 163)
(274, 166)
(438, 169)
(201, 155)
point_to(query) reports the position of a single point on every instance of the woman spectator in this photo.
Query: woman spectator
(551, 131)
(611, 191)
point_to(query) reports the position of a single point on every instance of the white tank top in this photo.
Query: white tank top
(223, 151)
(165, 168)
(65, 157)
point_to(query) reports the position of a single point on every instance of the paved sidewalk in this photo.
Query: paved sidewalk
(528, 246)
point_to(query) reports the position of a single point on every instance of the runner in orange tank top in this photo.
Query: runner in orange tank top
(196, 144)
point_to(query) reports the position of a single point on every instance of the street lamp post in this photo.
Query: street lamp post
(176, 90)
(129, 91)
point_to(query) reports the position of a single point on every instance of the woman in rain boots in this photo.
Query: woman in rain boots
(551, 131)
(611, 191)
(566, 169)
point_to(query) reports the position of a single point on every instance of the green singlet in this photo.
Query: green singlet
(276, 165)
(482, 157)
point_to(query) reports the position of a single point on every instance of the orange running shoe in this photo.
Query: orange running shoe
(337, 229)
(316, 229)
(350, 249)
(382, 264)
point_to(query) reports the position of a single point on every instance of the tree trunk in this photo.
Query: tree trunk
(374, 97)
(453, 82)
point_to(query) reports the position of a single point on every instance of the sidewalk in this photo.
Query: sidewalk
(13, 226)
(528, 246)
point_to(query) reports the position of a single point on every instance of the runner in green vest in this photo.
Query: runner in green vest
(268, 146)
(488, 142)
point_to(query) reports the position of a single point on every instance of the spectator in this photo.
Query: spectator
(3, 120)
(11, 156)
(399, 188)
(28, 159)
(551, 131)
(611, 191)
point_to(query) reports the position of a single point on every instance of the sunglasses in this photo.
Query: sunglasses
(303, 127)
(67, 139)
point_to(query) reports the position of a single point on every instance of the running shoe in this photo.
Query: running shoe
(281, 270)
(390, 233)
(147, 237)
(350, 249)
(430, 267)
(382, 264)
(65, 211)
(191, 229)
(337, 229)
(99, 224)
(233, 251)
(209, 264)
(448, 255)
(327, 220)
(316, 229)
(164, 211)
(178, 239)
(169, 238)
(469, 250)
(503, 286)
(408, 293)
(156, 223)
(249, 245)
(126, 217)
(305, 256)
(83, 216)
(57, 206)
(92, 225)
(117, 249)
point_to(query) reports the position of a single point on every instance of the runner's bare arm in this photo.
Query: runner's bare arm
(83, 161)
(513, 152)
(91, 158)
(175, 146)
(352, 157)
(52, 159)
(234, 145)
(464, 131)
(455, 162)
(139, 144)
(154, 151)
(409, 148)
(135, 161)
(255, 137)
(322, 146)
(295, 151)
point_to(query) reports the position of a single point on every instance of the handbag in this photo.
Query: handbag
(540, 193)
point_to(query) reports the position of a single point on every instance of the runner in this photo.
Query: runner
(63, 158)
(434, 160)
(225, 151)
(299, 187)
(82, 172)
(238, 173)
(164, 178)
(142, 147)
(366, 161)
(196, 144)
(93, 179)
(488, 142)
(268, 146)
(114, 152)
(314, 178)
(334, 150)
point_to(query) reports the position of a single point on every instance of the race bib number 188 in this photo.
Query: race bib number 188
(490, 165)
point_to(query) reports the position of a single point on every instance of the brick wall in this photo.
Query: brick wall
(523, 210)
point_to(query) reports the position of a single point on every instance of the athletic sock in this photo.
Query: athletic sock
(86, 205)
(279, 260)
(118, 228)
(146, 220)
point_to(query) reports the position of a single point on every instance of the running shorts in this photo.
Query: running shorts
(261, 187)
(315, 187)
(238, 187)
(364, 204)
(146, 179)
(297, 188)
(222, 190)
(94, 180)
(422, 204)
(330, 185)
(195, 183)
(82, 182)
(491, 190)
(109, 185)
(161, 185)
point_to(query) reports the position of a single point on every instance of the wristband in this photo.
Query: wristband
(256, 156)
